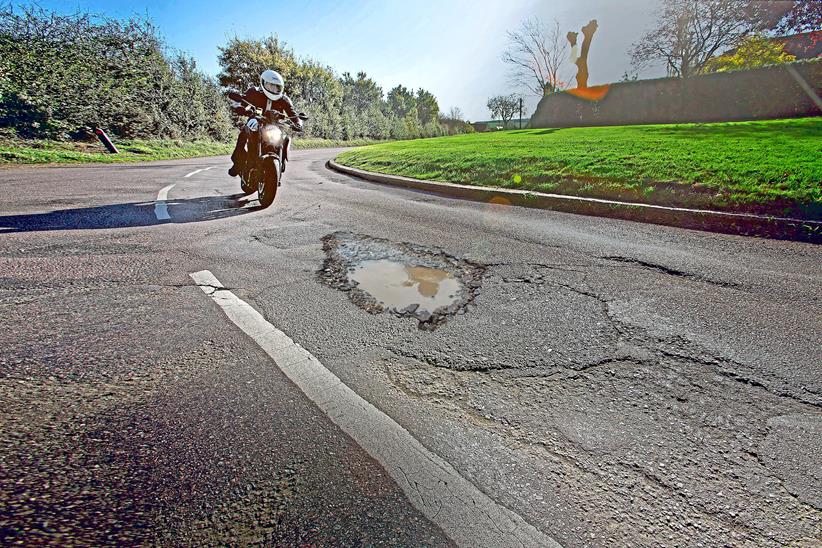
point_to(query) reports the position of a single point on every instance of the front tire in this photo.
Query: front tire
(267, 189)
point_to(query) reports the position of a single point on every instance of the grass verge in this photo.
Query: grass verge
(16, 151)
(772, 167)
(312, 142)
(46, 152)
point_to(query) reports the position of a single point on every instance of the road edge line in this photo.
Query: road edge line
(466, 515)
(196, 171)
(741, 224)
(160, 207)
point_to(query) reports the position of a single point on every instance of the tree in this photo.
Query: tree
(427, 107)
(362, 106)
(434, 129)
(314, 88)
(361, 92)
(400, 101)
(378, 125)
(242, 61)
(453, 122)
(503, 107)
(535, 55)
(413, 128)
(195, 107)
(397, 129)
(753, 51)
(688, 33)
(414, 114)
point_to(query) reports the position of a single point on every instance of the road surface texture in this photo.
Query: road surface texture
(610, 383)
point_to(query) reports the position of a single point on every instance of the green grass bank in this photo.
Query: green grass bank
(47, 152)
(15, 151)
(772, 167)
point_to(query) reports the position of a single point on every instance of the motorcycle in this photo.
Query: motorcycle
(267, 150)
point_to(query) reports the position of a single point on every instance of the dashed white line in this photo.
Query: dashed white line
(160, 208)
(195, 172)
(466, 514)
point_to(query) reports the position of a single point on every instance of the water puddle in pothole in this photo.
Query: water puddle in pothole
(400, 278)
(406, 288)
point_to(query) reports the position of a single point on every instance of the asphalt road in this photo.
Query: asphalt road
(611, 383)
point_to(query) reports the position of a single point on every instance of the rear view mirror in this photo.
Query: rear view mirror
(302, 116)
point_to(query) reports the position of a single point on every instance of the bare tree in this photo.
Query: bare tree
(455, 114)
(503, 107)
(689, 32)
(535, 54)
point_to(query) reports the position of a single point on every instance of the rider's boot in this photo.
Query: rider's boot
(237, 155)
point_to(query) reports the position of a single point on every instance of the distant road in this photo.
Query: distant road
(612, 383)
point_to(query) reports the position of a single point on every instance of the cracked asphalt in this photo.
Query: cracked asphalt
(613, 383)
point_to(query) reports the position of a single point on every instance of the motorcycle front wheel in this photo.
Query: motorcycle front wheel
(267, 188)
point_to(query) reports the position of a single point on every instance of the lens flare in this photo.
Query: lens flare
(593, 93)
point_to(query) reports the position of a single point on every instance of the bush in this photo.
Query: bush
(89, 71)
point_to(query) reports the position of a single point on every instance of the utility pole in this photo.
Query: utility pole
(520, 112)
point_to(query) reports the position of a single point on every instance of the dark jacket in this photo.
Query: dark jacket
(256, 97)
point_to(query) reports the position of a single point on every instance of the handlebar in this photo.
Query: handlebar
(272, 116)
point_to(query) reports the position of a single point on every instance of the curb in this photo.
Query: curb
(743, 224)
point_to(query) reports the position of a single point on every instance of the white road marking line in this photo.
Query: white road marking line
(162, 196)
(160, 208)
(466, 514)
(186, 176)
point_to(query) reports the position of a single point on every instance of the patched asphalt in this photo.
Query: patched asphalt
(613, 383)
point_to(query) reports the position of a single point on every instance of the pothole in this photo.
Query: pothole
(403, 279)
(403, 287)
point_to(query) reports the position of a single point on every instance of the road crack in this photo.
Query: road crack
(668, 270)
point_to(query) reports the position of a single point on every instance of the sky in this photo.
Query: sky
(452, 48)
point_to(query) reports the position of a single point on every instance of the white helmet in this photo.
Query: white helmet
(272, 84)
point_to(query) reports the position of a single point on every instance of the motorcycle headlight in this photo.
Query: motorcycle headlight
(272, 135)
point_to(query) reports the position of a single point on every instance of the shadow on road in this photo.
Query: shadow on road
(135, 214)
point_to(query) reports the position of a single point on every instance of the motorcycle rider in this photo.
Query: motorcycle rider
(268, 96)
